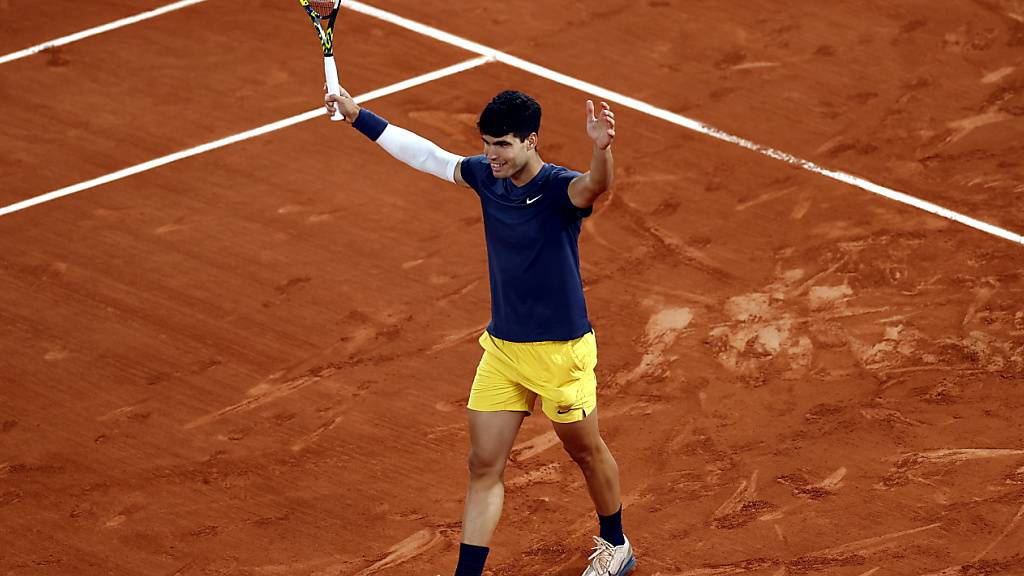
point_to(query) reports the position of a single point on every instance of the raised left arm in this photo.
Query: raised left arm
(585, 188)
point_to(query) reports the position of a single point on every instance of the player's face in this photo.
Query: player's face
(508, 154)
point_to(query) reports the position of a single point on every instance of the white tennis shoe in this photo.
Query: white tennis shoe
(609, 560)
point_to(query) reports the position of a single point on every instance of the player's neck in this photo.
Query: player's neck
(529, 171)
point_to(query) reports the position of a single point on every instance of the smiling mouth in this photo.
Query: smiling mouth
(497, 166)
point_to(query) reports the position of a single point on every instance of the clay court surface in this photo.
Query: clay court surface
(255, 361)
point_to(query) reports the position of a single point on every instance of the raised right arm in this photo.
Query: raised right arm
(411, 149)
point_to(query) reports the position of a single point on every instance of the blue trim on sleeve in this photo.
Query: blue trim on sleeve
(371, 125)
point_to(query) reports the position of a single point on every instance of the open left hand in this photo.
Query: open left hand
(601, 127)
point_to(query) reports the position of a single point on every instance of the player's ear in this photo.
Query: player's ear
(531, 141)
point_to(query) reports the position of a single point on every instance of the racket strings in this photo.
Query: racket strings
(322, 7)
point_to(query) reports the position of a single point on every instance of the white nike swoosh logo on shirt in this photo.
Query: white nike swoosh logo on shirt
(532, 200)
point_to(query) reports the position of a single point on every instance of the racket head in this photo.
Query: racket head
(323, 14)
(324, 7)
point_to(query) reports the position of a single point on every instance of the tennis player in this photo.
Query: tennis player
(539, 342)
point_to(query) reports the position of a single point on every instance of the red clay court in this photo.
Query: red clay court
(253, 359)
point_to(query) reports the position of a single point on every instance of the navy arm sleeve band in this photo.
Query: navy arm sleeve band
(371, 125)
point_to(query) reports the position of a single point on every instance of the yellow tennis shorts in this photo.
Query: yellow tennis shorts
(511, 376)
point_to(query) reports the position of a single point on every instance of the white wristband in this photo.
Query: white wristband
(418, 152)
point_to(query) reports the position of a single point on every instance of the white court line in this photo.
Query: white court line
(532, 68)
(677, 119)
(316, 113)
(97, 30)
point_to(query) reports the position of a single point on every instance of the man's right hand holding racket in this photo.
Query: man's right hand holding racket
(343, 102)
(414, 150)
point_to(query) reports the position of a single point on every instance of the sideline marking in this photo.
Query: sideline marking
(316, 113)
(678, 119)
(97, 30)
(494, 55)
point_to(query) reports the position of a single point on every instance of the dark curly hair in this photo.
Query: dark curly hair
(510, 112)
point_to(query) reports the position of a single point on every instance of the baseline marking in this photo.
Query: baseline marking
(316, 113)
(97, 30)
(492, 54)
(678, 119)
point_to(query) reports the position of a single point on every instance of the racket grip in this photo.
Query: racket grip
(333, 84)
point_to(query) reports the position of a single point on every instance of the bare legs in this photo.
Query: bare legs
(491, 436)
(582, 440)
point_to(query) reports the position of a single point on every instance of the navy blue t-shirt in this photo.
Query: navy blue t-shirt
(533, 253)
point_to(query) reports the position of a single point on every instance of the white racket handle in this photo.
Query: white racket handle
(333, 85)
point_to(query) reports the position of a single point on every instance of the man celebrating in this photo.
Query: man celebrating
(539, 342)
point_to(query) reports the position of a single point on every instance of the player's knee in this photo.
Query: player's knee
(585, 454)
(485, 465)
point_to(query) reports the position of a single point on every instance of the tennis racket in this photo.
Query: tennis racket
(323, 13)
